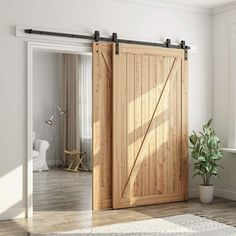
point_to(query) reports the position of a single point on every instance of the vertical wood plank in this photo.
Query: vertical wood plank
(119, 127)
(101, 112)
(130, 115)
(145, 122)
(107, 163)
(153, 142)
(117, 136)
(173, 134)
(123, 118)
(97, 196)
(166, 131)
(138, 118)
(160, 180)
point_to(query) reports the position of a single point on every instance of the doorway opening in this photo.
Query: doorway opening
(61, 129)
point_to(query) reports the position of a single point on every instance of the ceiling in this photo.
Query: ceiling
(196, 3)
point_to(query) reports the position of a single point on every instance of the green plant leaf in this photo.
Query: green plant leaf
(201, 158)
(193, 139)
(214, 171)
(209, 122)
(207, 168)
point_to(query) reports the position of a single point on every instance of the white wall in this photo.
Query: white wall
(47, 81)
(131, 20)
(222, 24)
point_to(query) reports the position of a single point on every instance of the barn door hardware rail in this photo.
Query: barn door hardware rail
(96, 37)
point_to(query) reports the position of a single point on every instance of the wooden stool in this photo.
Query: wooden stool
(75, 159)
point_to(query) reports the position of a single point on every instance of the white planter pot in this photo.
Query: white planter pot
(206, 193)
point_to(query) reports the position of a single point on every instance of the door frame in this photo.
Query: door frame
(85, 47)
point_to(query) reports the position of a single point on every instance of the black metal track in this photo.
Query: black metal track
(96, 37)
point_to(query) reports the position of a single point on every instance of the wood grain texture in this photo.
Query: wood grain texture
(102, 119)
(149, 156)
(131, 111)
(153, 140)
(135, 135)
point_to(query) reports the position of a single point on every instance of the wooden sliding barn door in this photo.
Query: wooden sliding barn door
(150, 160)
(102, 125)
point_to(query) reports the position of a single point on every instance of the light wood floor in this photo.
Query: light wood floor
(59, 190)
(49, 219)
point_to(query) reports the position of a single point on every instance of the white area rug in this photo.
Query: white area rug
(186, 224)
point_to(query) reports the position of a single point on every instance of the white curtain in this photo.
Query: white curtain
(84, 110)
(77, 102)
(69, 105)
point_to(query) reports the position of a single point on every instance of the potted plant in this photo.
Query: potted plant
(205, 150)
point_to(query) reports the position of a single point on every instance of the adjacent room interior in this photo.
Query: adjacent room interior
(62, 131)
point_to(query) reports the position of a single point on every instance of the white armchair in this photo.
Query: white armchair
(39, 154)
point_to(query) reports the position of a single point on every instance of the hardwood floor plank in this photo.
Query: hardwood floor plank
(60, 190)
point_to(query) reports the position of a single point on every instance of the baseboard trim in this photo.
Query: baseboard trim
(224, 193)
(14, 213)
(219, 192)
